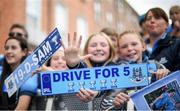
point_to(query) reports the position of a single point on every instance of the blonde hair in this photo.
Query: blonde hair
(130, 32)
(112, 50)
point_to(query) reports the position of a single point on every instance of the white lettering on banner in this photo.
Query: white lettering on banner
(42, 53)
(46, 48)
(27, 67)
(20, 74)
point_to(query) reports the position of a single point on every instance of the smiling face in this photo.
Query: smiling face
(13, 52)
(131, 47)
(58, 61)
(99, 48)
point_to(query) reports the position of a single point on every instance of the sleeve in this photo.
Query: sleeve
(106, 103)
(107, 100)
(78, 66)
(30, 86)
(177, 67)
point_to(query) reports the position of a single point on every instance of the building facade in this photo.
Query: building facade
(82, 16)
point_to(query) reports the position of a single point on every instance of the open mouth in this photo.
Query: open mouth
(9, 56)
(98, 54)
(132, 55)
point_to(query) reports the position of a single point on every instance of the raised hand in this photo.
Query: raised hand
(71, 52)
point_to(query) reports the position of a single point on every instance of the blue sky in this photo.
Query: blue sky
(142, 6)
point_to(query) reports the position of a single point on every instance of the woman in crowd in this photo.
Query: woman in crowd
(16, 50)
(98, 52)
(131, 47)
(165, 49)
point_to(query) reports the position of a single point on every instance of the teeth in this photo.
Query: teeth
(98, 54)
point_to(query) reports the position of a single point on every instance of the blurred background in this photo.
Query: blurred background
(85, 17)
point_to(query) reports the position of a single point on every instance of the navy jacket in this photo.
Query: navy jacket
(167, 52)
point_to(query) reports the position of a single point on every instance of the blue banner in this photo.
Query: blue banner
(37, 58)
(152, 97)
(98, 78)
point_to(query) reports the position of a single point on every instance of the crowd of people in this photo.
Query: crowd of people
(159, 41)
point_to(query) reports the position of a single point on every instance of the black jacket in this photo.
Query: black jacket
(167, 53)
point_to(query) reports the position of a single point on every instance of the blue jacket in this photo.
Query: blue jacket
(28, 88)
(167, 52)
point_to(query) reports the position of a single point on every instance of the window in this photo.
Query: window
(97, 11)
(120, 27)
(61, 20)
(33, 20)
(109, 18)
(82, 29)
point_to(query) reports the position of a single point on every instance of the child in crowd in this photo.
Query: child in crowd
(56, 62)
(98, 52)
(131, 47)
(58, 102)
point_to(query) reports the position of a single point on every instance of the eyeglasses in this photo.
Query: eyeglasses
(16, 34)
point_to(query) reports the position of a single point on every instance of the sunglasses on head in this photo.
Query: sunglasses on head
(16, 34)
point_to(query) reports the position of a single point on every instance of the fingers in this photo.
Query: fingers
(83, 97)
(122, 96)
(79, 42)
(160, 73)
(43, 68)
(120, 99)
(69, 41)
(72, 41)
(86, 95)
(92, 93)
(85, 57)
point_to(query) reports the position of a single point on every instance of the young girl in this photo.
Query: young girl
(58, 102)
(16, 50)
(56, 62)
(131, 47)
(65, 101)
(98, 52)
